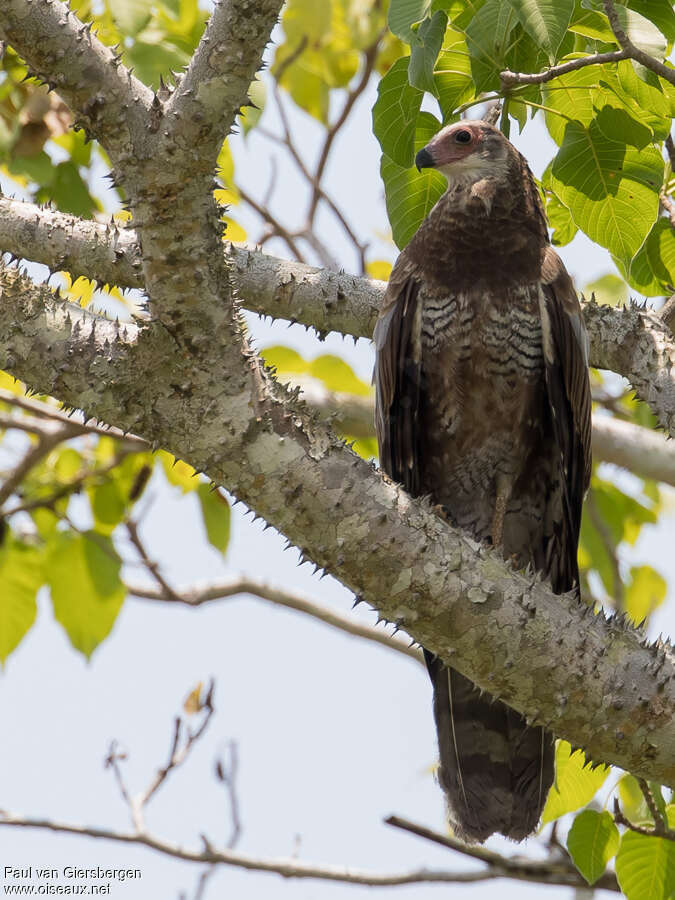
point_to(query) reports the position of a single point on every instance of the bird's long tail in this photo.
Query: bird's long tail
(494, 768)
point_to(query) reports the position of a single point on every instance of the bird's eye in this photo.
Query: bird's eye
(463, 137)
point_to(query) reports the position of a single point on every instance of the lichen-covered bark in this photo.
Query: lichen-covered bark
(587, 678)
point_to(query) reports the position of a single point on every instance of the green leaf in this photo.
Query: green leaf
(337, 375)
(611, 189)
(131, 16)
(608, 289)
(284, 359)
(641, 277)
(87, 593)
(633, 803)
(643, 33)
(409, 194)
(403, 14)
(574, 785)
(178, 473)
(487, 37)
(592, 841)
(660, 12)
(560, 219)
(645, 867)
(250, 115)
(21, 575)
(424, 53)
(452, 73)
(546, 22)
(645, 592)
(571, 96)
(395, 114)
(216, 516)
(661, 252)
(644, 97)
(68, 191)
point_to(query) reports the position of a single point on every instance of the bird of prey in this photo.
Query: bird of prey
(483, 404)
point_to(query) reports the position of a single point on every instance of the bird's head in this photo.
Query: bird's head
(467, 151)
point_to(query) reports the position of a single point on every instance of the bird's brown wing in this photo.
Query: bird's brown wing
(398, 377)
(565, 345)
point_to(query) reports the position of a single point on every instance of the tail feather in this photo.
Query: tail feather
(495, 769)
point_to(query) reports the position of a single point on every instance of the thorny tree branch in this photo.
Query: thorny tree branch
(188, 381)
(635, 343)
(208, 593)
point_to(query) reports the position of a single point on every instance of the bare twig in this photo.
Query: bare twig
(634, 52)
(150, 565)
(509, 79)
(276, 226)
(370, 55)
(287, 868)
(177, 756)
(550, 871)
(211, 592)
(227, 775)
(648, 830)
(660, 822)
(47, 440)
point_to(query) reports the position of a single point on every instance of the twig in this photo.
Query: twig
(177, 756)
(549, 871)
(632, 51)
(370, 56)
(46, 442)
(112, 761)
(509, 78)
(150, 565)
(277, 227)
(220, 591)
(227, 775)
(287, 868)
(620, 819)
(660, 823)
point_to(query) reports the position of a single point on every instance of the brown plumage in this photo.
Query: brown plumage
(483, 403)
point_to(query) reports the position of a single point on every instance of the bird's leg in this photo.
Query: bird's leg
(501, 499)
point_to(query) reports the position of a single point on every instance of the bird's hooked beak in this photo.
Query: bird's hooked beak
(424, 159)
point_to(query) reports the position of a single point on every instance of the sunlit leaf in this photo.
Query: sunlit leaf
(82, 571)
(592, 841)
(337, 375)
(21, 575)
(611, 189)
(379, 269)
(216, 516)
(575, 784)
(179, 473)
(645, 867)
(645, 592)
(452, 73)
(608, 289)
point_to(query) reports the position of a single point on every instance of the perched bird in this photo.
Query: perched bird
(483, 404)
